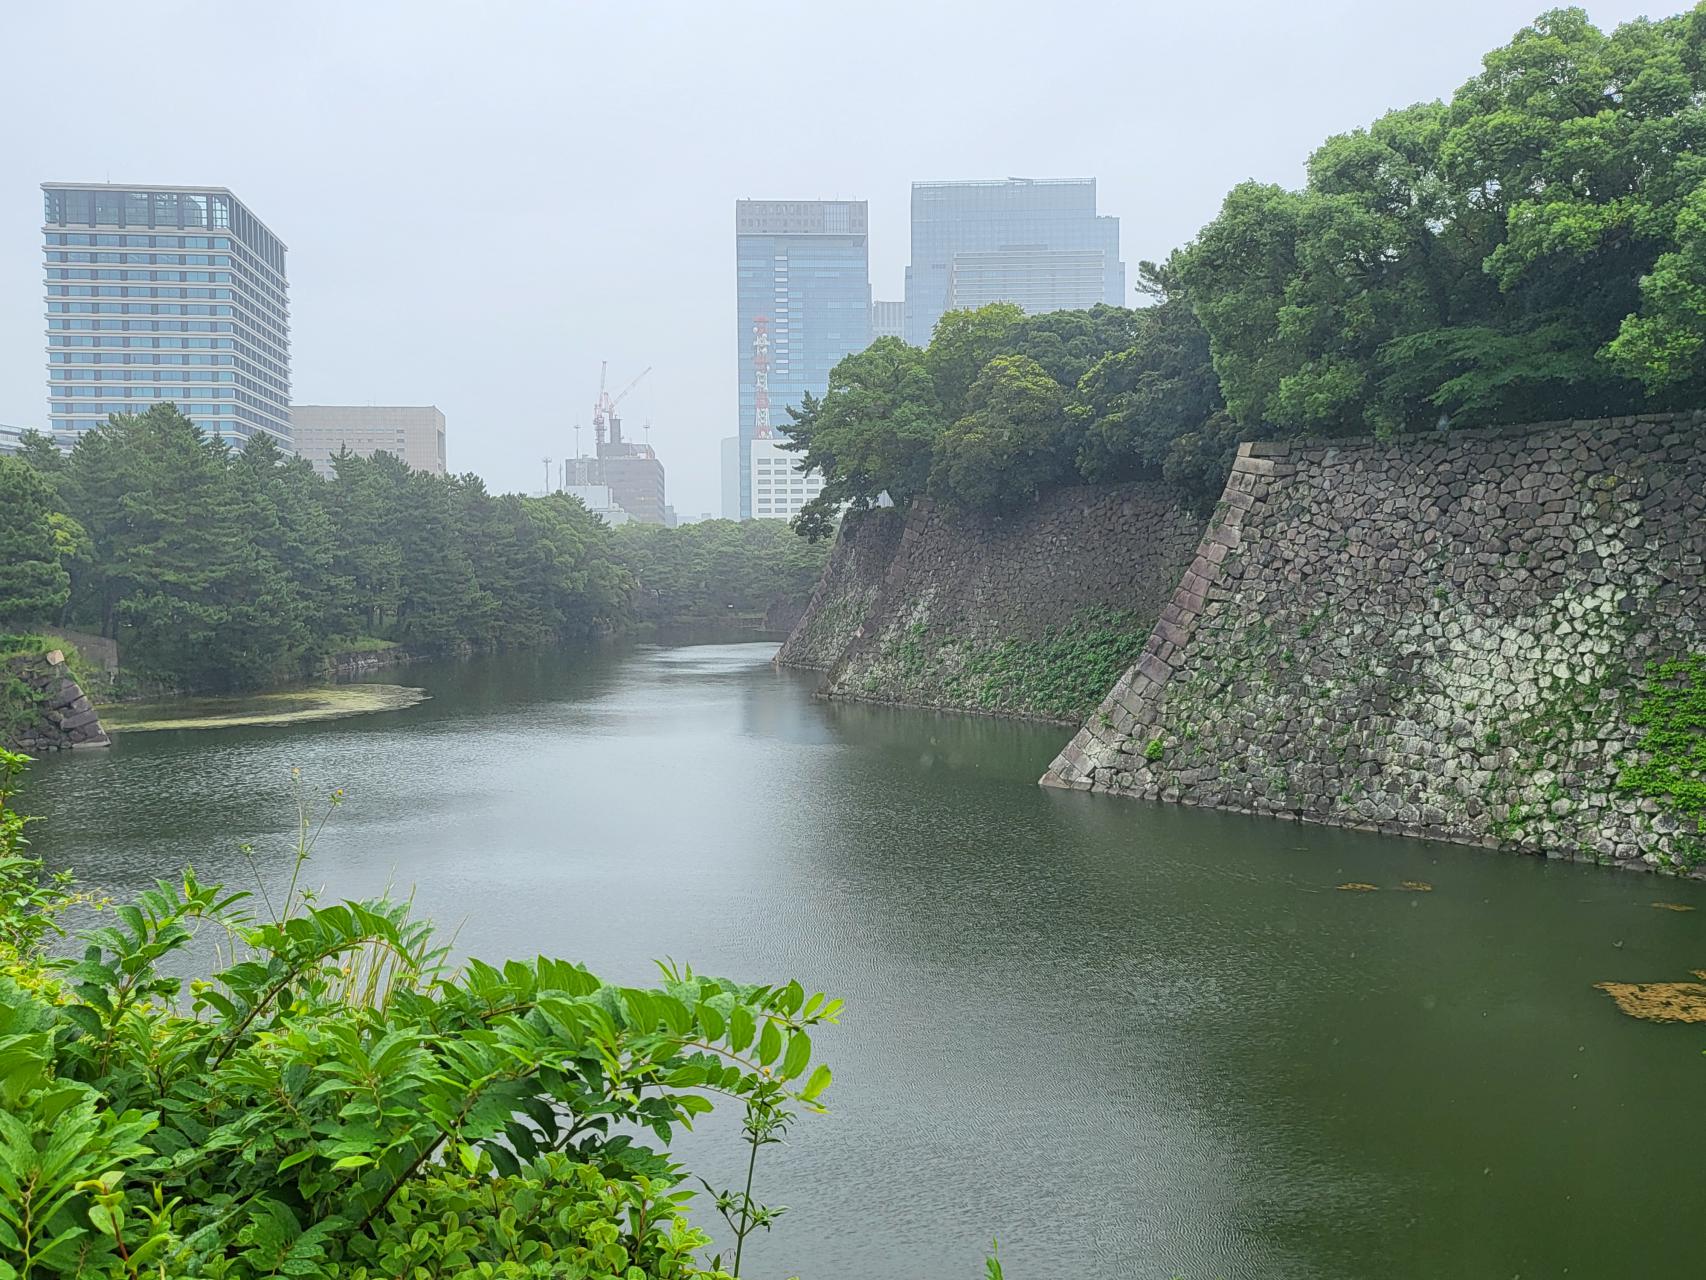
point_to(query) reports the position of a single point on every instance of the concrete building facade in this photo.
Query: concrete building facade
(888, 320)
(165, 293)
(414, 433)
(599, 499)
(778, 489)
(12, 439)
(1037, 242)
(803, 302)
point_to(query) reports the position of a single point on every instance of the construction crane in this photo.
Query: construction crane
(604, 408)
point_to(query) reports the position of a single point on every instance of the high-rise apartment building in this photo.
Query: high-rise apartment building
(414, 433)
(1036, 242)
(165, 293)
(803, 302)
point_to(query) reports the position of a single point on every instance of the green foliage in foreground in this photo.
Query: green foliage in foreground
(333, 1100)
(1061, 676)
(1672, 750)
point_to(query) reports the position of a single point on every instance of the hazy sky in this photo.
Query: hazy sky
(482, 201)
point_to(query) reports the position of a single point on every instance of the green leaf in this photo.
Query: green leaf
(799, 1053)
(742, 1027)
(769, 1043)
(820, 1080)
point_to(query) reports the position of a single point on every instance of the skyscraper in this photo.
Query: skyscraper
(165, 293)
(1037, 242)
(803, 302)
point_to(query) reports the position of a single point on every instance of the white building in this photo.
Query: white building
(778, 489)
(598, 499)
(414, 433)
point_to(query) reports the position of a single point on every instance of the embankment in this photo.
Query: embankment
(43, 708)
(1493, 638)
(846, 595)
(1031, 613)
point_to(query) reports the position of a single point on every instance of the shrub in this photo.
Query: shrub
(335, 1101)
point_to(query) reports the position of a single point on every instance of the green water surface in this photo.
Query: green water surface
(1128, 1040)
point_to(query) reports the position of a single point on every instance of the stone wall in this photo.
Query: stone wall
(359, 662)
(974, 612)
(1453, 638)
(44, 708)
(846, 594)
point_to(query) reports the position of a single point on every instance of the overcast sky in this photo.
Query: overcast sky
(482, 201)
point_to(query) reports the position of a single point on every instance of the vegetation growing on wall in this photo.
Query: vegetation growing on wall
(1061, 676)
(1671, 763)
(336, 1100)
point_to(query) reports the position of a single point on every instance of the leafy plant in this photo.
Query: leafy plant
(332, 1100)
(1672, 750)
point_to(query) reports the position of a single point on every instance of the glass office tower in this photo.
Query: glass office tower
(803, 302)
(165, 293)
(1037, 242)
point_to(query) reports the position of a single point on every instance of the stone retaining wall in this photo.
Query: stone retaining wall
(353, 663)
(1449, 638)
(846, 594)
(60, 717)
(963, 598)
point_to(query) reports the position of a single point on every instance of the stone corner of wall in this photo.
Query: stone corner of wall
(64, 719)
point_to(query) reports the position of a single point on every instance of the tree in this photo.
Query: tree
(34, 585)
(961, 344)
(703, 572)
(202, 600)
(1135, 407)
(873, 432)
(294, 535)
(1068, 343)
(40, 452)
(1012, 441)
(1664, 344)
(1520, 253)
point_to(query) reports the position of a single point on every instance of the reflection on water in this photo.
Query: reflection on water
(1128, 1040)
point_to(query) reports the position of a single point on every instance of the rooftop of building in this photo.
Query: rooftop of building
(1004, 182)
(168, 186)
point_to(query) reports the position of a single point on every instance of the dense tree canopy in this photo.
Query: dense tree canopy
(220, 569)
(702, 573)
(1529, 250)
(34, 582)
(1533, 249)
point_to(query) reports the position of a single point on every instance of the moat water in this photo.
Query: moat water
(1127, 1040)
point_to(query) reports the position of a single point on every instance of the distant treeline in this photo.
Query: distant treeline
(223, 569)
(1533, 249)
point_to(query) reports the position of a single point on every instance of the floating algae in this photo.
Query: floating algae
(1357, 886)
(294, 706)
(1660, 1001)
